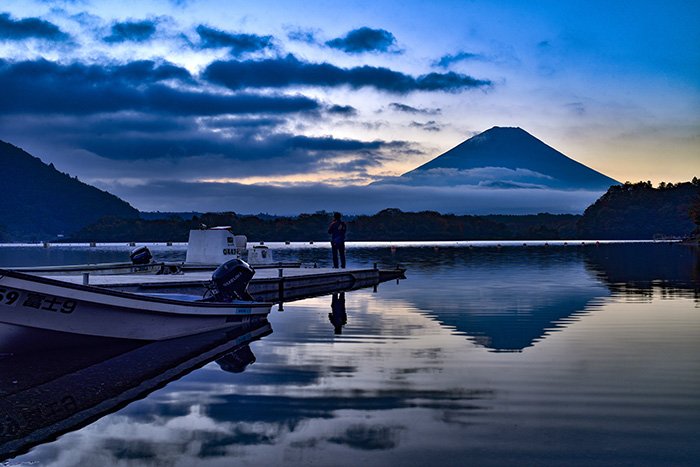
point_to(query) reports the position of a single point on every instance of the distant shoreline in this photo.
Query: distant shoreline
(359, 244)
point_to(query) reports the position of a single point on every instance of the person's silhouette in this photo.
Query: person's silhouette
(337, 230)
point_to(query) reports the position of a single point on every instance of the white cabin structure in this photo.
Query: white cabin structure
(214, 246)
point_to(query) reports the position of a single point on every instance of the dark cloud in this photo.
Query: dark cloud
(308, 36)
(166, 99)
(131, 31)
(243, 123)
(127, 124)
(136, 72)
(364, 40)
(143, 71)
(31, 86)
(446, 60)
(430, 125)
(398, 107)
(289, 71)
(141, 146)
(27, 28)
(344, 110)
(238, 43)
(328, 143)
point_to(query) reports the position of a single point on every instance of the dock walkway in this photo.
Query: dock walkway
(277, 285)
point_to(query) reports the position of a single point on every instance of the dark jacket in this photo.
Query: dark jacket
(337, 230)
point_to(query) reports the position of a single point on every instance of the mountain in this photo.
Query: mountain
(506, 158)
(38, 202)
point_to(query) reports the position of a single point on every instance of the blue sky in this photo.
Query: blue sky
(180, 105)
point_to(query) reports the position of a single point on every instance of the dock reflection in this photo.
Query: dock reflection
(42, 397)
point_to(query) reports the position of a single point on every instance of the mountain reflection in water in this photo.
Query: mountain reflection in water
(507, 299)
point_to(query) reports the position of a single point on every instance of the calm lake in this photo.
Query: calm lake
(513, 355)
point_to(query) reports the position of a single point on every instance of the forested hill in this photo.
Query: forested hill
(640, 211)
(38, 202)
(629, 211)
(389, 224)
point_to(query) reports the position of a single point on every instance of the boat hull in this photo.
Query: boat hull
(38, 303)
(100, 269)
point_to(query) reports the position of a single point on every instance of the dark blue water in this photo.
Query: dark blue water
(576, 355)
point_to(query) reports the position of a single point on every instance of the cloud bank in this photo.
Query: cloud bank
(252, 199)
(497, 177)
(30, 87)
(398, 107)
(29, 28)
(131, 31)
(238, 44)
(289, 71)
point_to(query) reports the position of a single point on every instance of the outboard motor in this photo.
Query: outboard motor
(141, 255)
(236, 362)
(231, 281)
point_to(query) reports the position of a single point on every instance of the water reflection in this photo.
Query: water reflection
(42, 396)
(237, 361)
(504, 300)
(338, 316)
(636, 270)
(508, 299)
(558, 368)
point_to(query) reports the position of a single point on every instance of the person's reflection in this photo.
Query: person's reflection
(338, 317)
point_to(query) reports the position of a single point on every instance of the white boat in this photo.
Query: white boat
(30, 302)
(207, 249)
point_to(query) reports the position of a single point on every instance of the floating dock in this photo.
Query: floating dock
(270, 285)
(207, 249)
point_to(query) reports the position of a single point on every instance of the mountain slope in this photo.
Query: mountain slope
(38, 202)
(506, 158)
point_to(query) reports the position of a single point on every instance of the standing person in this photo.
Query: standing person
(337, 230)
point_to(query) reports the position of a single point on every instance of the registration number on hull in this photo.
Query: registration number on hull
(37, 301)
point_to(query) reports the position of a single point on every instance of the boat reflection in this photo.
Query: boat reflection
(43, 396)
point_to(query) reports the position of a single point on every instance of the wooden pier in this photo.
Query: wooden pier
(272, 285)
